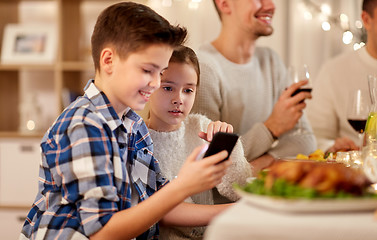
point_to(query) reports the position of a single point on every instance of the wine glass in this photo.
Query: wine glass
(296, 74)
(358, 110)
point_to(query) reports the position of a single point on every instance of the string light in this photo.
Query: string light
(326, 9)
(30, 125)
(326, 26)
(167, 3)
(308, 15)
(192, 4)
(342, 21)
(347, 37)
(358, 24)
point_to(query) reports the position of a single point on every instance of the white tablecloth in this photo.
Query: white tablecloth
(247, 221)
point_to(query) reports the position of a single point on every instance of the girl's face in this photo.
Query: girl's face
(172, 102)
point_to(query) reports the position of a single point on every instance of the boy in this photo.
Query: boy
(98, 173)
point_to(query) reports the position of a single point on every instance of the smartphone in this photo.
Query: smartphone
(222, 141)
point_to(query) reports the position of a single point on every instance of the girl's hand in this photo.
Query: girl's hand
(215, 127)
(197, 176)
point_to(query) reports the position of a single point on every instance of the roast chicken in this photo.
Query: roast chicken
(323, 177)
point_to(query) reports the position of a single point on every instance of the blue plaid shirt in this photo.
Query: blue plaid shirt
(89, 162)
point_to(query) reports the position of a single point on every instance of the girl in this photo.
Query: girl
(175, 133)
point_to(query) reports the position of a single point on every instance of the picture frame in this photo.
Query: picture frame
(29, 44)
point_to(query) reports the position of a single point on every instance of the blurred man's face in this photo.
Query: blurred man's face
(370, 24)
(253, 16)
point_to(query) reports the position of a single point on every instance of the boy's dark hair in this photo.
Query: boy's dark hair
(369, 6)
(128, 27)
(186, 55)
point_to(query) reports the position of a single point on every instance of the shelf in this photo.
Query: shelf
(17, 67)
(9, 134)
(17, 1)
(48, 84)
(77, 66)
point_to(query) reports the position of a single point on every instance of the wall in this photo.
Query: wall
(308, 43)
(295, 39)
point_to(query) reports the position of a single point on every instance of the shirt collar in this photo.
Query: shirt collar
(367, 58)
(102, 105)
(130, 119)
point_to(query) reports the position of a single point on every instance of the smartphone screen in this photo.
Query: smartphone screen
(222, 141)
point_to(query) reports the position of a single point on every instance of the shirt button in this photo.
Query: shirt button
(145, 151)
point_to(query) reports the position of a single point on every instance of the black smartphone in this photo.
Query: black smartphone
(222, 141)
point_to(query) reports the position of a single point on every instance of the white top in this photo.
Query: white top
(244, 95)
(172, 149)
(327, 111)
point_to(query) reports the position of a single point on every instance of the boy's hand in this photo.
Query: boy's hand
(287, 110)
(198, 176)
(215, 127)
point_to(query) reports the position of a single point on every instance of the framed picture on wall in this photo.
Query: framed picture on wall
(29, 44)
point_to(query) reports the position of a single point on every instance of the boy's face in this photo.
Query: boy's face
(172, 102)
(132, 80)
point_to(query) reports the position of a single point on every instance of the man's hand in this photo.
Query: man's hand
(343, 144)
(288, 110)
(261, 163)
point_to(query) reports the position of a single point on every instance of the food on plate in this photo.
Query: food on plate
(318, 155)
(305, 179)
(322, 177)
(302, 156)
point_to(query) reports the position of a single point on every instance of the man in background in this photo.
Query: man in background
(327, 111)
(246, 85)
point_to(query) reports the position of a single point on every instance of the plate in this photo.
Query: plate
(309, 205)
(293, 158)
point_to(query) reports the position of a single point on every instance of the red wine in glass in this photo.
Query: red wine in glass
(358, 124)
(295, 75)
(302, 90)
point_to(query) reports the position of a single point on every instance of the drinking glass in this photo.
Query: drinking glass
(370, 133)
(296, 74)
(369, 157)
(357, 111)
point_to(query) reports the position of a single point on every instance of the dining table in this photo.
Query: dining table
(263, 220)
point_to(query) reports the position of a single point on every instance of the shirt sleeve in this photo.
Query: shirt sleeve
(84, 163)
(208, 99)
(257, 141)
(290, 144)
(238, 172)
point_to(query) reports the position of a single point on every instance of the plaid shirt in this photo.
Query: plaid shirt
(89, 161)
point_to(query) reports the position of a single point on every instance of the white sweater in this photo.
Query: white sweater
(327, 111)
(244, 95)
(172, 148)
